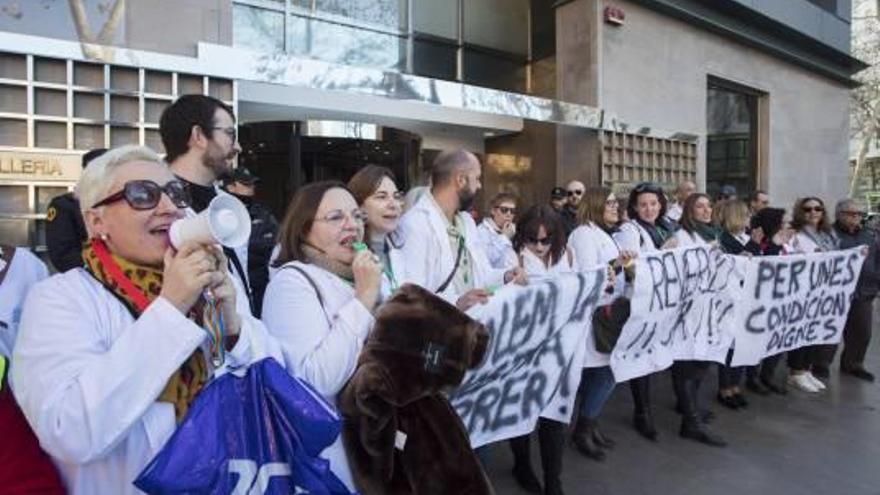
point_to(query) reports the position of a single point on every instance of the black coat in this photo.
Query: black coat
(65, 232)
(869, 280)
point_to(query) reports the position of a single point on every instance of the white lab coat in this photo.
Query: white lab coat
(497, 246)
(536, 270)
(428, 256)
(398, 271)
(805, 243)
(592, 247)
(634, 238)
(689, 239)
(24, 271)
(321, 343)
(87, 374)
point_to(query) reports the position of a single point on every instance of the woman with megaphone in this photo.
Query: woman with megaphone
(111, 356)
(319, 301)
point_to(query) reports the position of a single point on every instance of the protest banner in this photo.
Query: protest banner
(533, 363)
(682, 309)
(792, 301)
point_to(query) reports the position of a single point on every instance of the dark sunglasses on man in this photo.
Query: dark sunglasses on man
(145, 194)
(575, 192)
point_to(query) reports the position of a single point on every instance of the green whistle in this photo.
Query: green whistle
(359, 246)
(492, 289)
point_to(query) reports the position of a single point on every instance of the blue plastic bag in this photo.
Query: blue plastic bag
(257, 434)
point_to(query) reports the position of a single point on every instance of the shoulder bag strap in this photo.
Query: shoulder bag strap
(448, 280)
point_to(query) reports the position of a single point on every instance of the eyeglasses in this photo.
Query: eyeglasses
(506, 210)
(544, 241)
(337, 218)
(575, 192)
(612, 202)
(854, 213)
(817, 209)
(145, 194)
(232, 132)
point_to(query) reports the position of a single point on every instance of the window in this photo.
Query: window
(345, 44)
(257, 29)
(732, 138)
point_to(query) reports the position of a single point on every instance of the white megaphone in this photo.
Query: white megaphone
(225, 221)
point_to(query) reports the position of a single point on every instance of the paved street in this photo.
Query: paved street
(798, 444)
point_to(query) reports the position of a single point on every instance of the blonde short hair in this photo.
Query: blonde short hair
(97, 178)
(731, 215)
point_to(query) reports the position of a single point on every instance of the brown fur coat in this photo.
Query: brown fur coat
(401, 434)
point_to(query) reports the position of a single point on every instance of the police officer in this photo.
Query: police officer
(264, 230)
(65, 230)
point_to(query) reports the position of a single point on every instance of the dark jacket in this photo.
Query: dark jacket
(869, 280)
(730, 245)
(264, 231)
(65, 232)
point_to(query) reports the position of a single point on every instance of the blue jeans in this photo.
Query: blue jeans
(596, 387)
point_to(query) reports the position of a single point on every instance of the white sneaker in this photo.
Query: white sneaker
(801, 382)
(816, 382)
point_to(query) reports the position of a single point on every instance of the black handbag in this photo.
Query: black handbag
(608, 322)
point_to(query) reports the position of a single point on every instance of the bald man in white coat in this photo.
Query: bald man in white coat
(442, 250)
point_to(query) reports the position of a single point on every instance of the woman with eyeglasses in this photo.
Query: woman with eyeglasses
(593, 244)
(111, 356)
(687, 376)
(813, 234)
(646, 231)
(497, 229)
(540, 245)
(319, 302)
(375, 190)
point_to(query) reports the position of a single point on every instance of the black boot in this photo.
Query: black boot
(584, 440)
(692, 426)
(551, 436)
(522, 465)
(643, 420)
(601, 439)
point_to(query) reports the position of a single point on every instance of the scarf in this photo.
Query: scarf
(707, 231)
(659, 234)
(315, 256)
(137, 286)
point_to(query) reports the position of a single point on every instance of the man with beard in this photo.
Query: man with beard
(264, 229)
(199, 136)
(441, 246)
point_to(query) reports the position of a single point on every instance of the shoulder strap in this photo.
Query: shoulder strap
(311, 282)
(7, 253)
(446, 283)
(569, 255)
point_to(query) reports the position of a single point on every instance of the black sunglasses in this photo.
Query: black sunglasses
(546, 241)
(145, 194)
(575, 192)
(817, 209)
(506, 210)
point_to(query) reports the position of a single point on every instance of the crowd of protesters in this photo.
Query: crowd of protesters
(105, 357)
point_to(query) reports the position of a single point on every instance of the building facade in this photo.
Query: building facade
(742, 92)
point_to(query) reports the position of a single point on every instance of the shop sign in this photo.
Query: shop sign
(39, 166)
